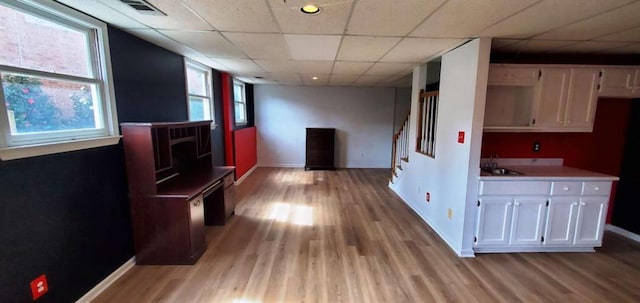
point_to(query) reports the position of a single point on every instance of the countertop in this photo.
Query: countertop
(546, 172)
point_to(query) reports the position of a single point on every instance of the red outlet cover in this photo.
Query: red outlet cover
(460, 137)
(39, 287)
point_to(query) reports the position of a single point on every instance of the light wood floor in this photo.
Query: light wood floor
(343, 236)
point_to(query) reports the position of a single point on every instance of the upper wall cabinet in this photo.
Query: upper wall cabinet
(623, 82)
(551, 99)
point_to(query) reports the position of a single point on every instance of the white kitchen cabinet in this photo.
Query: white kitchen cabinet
(494, 220)
(582, 98)
(561, 221)
(541, 215)
(592, 212)
(552, 96)
(527, 223)
(558, 99)
(512, 74)
(622, 82)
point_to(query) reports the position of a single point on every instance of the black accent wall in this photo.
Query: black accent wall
(626, 208)
(67, 215)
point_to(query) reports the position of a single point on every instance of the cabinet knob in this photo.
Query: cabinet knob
(596, 188)
(516, 204)
(565, 188)
(583, 204)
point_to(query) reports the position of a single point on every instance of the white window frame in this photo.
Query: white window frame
(106, 132)
(243, 101)
(209, 106)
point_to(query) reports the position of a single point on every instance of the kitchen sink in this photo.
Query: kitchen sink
(501, 171)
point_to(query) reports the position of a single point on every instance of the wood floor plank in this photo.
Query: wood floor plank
(344, 236)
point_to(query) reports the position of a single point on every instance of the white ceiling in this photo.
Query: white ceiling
(367, 42)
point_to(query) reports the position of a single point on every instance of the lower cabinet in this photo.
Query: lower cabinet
(508, 222)
(196, 224)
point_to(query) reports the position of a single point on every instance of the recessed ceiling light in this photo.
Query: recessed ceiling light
(314, 78)
(310, 9)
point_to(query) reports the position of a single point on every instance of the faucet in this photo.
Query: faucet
(491, 164)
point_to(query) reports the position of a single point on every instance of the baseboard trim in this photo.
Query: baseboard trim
(283, 165)
(247, 174)
(100, 287)
(623, 232)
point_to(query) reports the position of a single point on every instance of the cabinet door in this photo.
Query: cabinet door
(552, 96)
(591, 219)
(582, 97)
(561, 221)
(494, 221)
(528, 219)
(617, 82)
(197, 231)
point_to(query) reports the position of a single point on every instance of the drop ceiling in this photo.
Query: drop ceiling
(367, 42)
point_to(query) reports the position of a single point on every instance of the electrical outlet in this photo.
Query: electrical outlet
(428, 197)
(536, 147)
(39, 287)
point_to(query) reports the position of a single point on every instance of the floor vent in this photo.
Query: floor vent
(143, 7)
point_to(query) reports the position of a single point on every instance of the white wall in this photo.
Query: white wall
(362, 117)
(450, 178)
(402, 107)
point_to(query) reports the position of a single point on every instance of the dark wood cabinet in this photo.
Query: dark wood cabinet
(320, 148)
(173, 189)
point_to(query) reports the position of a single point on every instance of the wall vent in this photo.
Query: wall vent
(143, 7)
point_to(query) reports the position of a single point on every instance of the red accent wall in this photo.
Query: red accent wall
(599, 151)
(245, 150)
(227, 115)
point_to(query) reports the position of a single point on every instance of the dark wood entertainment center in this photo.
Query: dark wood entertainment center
(174, 190)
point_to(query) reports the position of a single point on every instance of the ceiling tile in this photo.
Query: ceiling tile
(361, 48)
(613, 21)
(313, 47)
(235, 15)
(464, 18)
(103, 12)
(260, 46)
(314, 67)
(342, 79)
(370, 79)
(350, 68)
(239, 65)
(332, 18)
(389, 18)
(590, 47)
(178, 15)
(210, 43)
(632, 35)
(419, 49)
(534, 46)
(388, 69)
(286, 78)
(320, 81)
(278, 66)
(547, 15)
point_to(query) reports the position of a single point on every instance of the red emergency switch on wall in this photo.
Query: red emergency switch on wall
(39, 287)
(460, 137)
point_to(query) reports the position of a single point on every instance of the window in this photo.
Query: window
(199, 99)
(240, 102)
(55, 89)
(427, 120)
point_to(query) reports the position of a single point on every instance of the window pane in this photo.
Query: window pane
(237, 92)
(241, 116)
(196, 108)
(35, 43)
(45, 105)
(196, 81)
